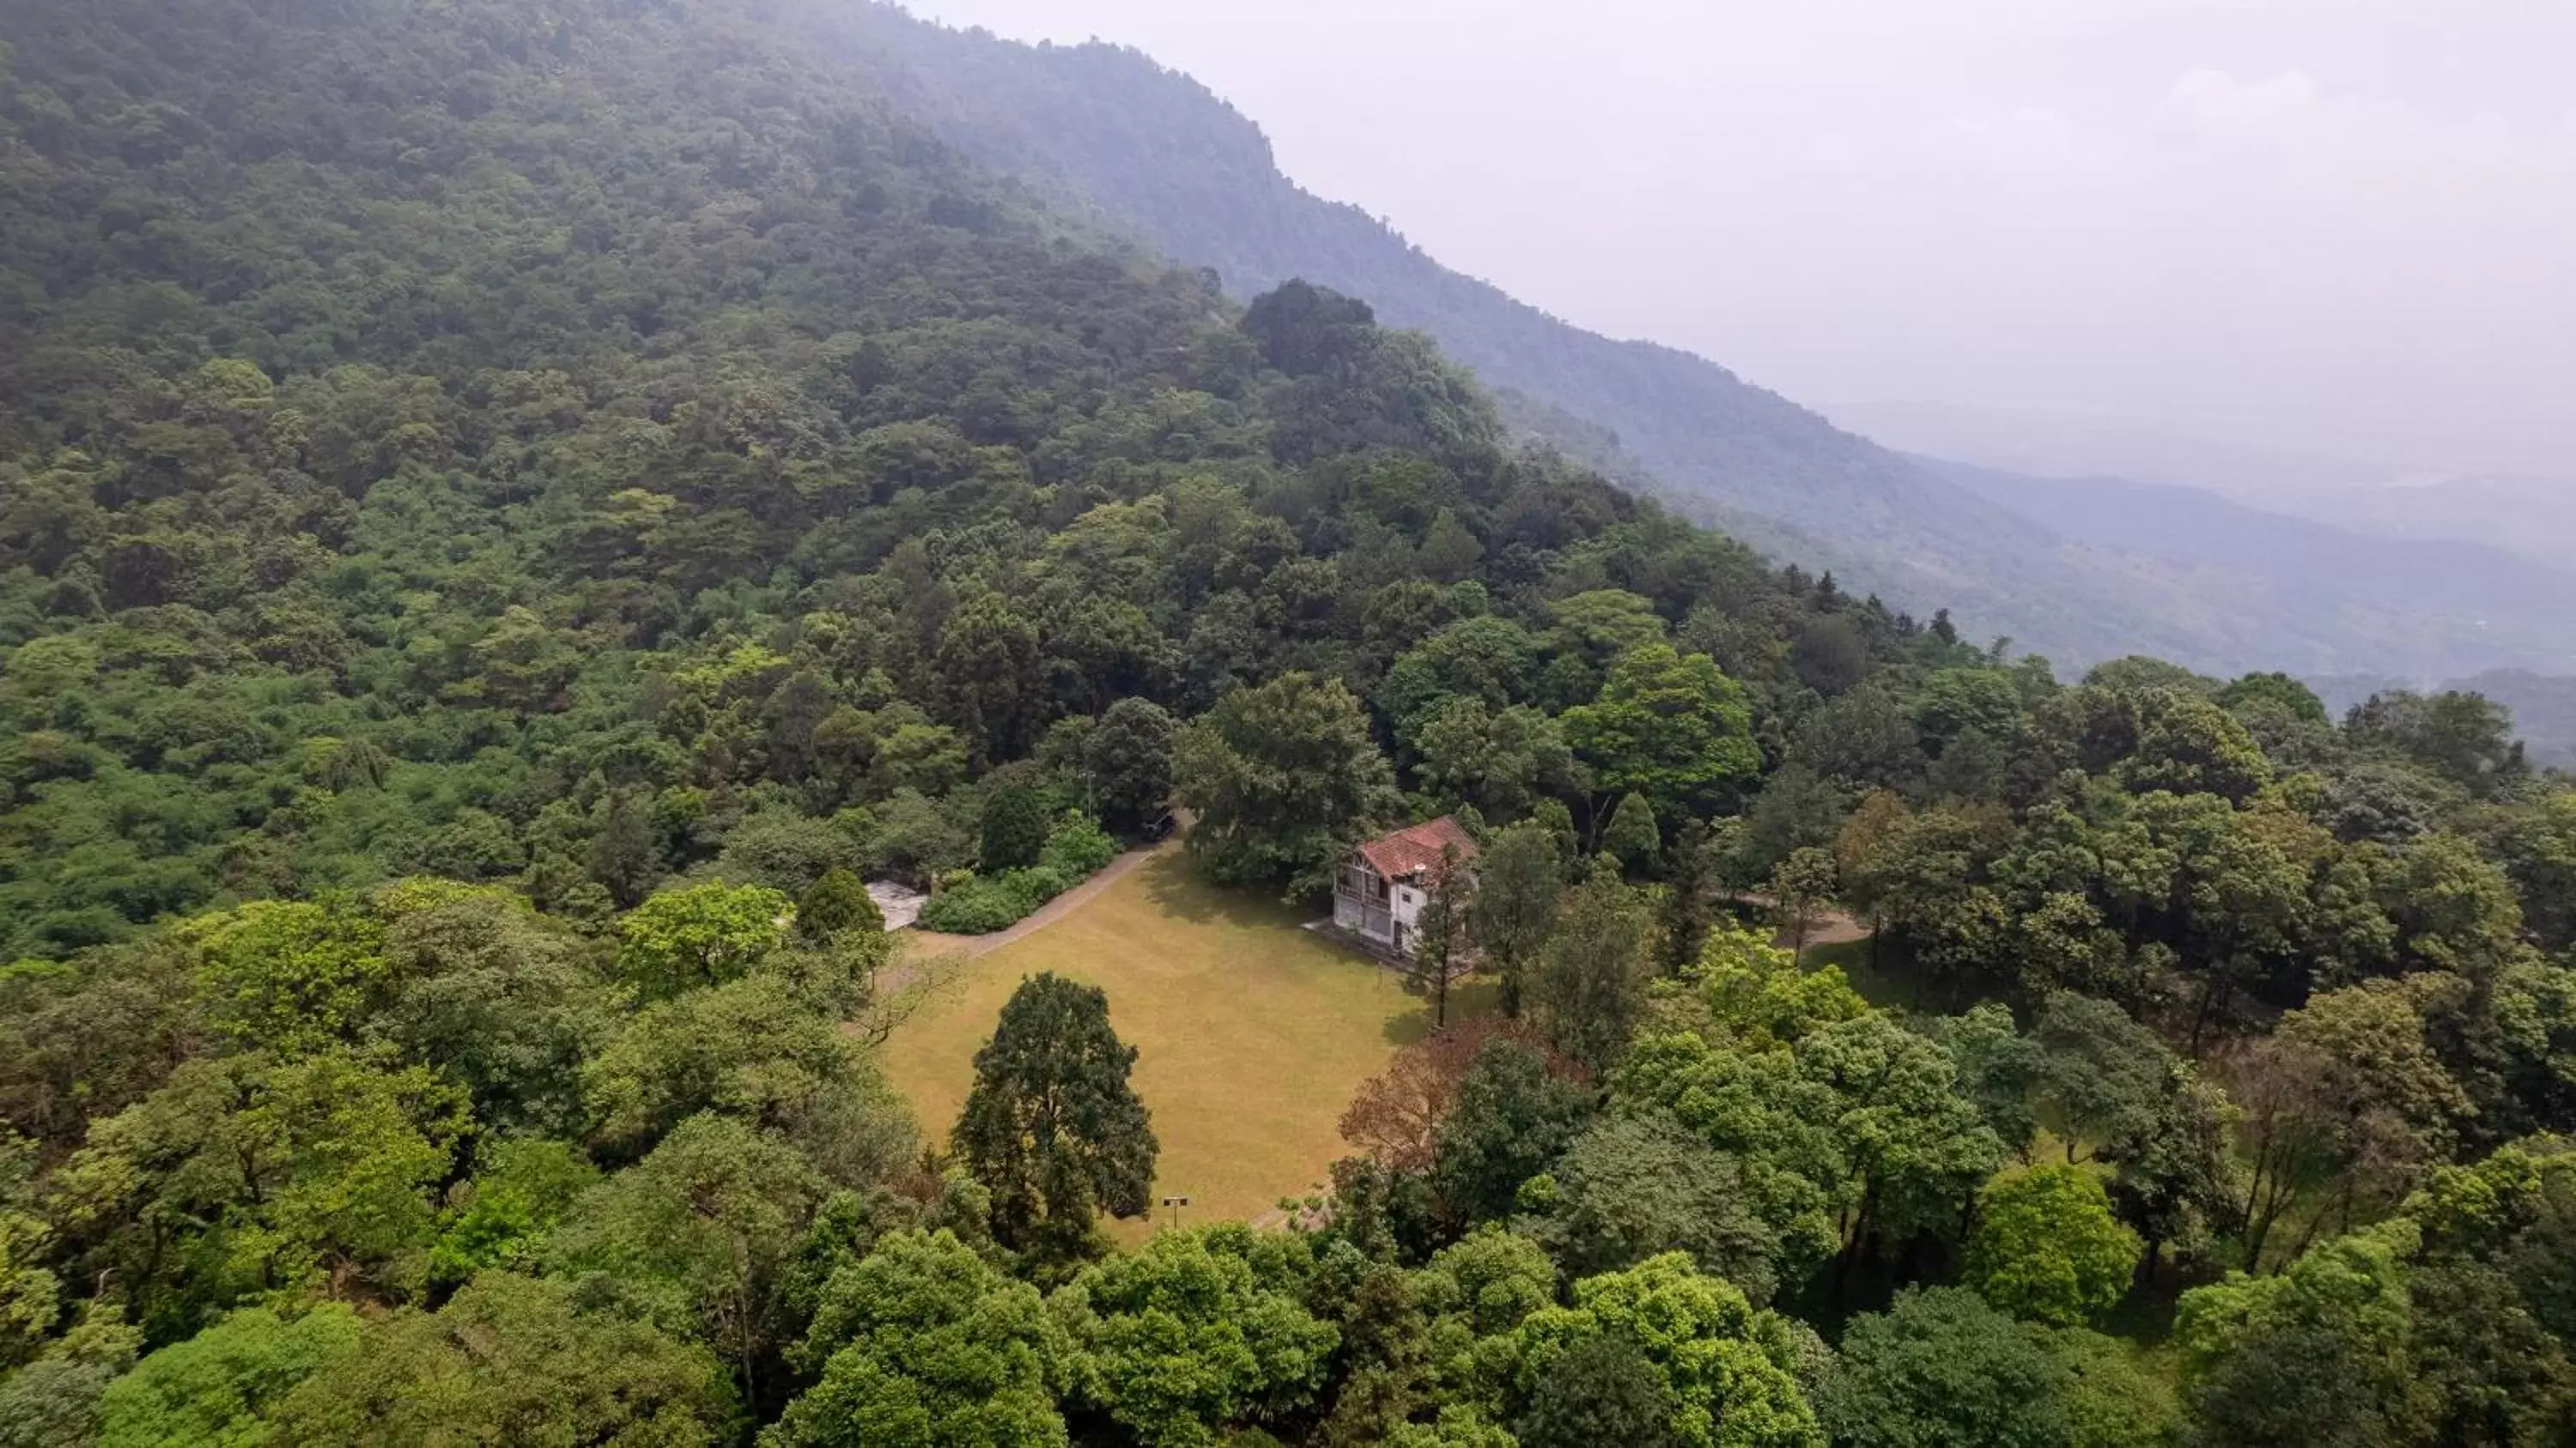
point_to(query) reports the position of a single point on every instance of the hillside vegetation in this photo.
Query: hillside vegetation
(1107, 129)
(508, 511)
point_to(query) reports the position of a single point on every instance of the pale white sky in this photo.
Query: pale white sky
(2337, 226)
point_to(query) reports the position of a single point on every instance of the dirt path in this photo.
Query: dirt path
(931, 942)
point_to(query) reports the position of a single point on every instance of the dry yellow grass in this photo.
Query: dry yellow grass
(1251, 1034)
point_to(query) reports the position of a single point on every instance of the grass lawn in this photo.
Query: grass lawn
(1251, 1034)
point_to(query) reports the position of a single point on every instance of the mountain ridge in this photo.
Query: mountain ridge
(1108, 130)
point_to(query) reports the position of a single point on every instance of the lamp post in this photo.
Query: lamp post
(1176, 1203)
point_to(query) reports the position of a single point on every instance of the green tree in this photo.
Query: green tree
(1669, 726)
(1724, 1378)
(1051, 1126)
(1803, 888)
(697, 1238)
(1201, 1330)
(1520, 879)
(1015, 824)
(1631, 834)
(922, 1344)
(1513, 1116)
(217, 1387)
(699, 935)
(752, 1052)
(1604, 1390)
(1281, 775)
(2047, 1249)
(1588, 990)
(290, 976)
(511, 1359)
(1501, 763)
(242, 1176)
(1629, 1189)
(1128, 760)
(1941, 1367)
(2315, 1355)
(838, 904)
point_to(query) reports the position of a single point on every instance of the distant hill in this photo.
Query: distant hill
(2533, 517)
(1145, 148)
(2434, 607)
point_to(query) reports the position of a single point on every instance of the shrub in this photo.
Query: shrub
(1078, 847)
(973, 904)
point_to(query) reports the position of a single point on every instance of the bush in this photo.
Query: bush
(982, 904)
(1079, 848)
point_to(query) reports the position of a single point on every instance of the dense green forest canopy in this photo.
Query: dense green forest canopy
(509, 511)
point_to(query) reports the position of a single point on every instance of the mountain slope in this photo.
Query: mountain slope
(2435, 608)
(1157, 152)
(1143, 147)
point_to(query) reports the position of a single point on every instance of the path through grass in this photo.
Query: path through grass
(1251, 1033)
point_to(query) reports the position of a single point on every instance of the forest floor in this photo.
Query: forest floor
(1251, 1034)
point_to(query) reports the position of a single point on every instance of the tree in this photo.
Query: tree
(2102, 1075)
(1911, 1144)
(1631, 835)
(1051, 1126)
(495, 996)
(1501, 763)
(1015, 824)
(1802, 888)
(217, 1387)
(1589, 989)
(752, 1052)
(1667, 725)
(1129, 762)
(1440, 933)
(2047, 1249)
(838, 904)
(990, 675)
(290, 976)
(1514, 1114)
(1395, 1118)
(699, 935)
(1281, 774)
(1201, 1330)
(1604, 1390)
(1520, 879)
(698, 1233)
(242, 1176)
(1941, 1367)
(1724, 1368)
(1690, 902)
(2315, 1355)
(512, 1359)
(1630, 1189)
(922, 1344)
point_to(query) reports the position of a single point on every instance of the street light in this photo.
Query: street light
(1176, 1203)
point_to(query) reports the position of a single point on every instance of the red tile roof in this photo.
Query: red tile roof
(1406, 851)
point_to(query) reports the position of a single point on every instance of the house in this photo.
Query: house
(1380, 891)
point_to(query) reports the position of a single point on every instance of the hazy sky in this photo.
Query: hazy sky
(2345, 226)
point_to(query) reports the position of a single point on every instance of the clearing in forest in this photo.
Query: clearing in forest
(1251, 1033)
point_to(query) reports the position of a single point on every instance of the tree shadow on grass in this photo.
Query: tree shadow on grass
(1468, 1000)
(1180, 889)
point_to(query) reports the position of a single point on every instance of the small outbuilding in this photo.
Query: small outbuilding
(1379, 892)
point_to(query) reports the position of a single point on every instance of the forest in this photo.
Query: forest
(510, 512)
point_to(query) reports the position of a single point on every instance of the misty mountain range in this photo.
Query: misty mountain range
(2079, 570)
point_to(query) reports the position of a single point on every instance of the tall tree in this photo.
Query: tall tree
(1128, 760)
(1589, 989)
(1281, 775)
(1668, 725)
(1520, 880)
(1051, 1126)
